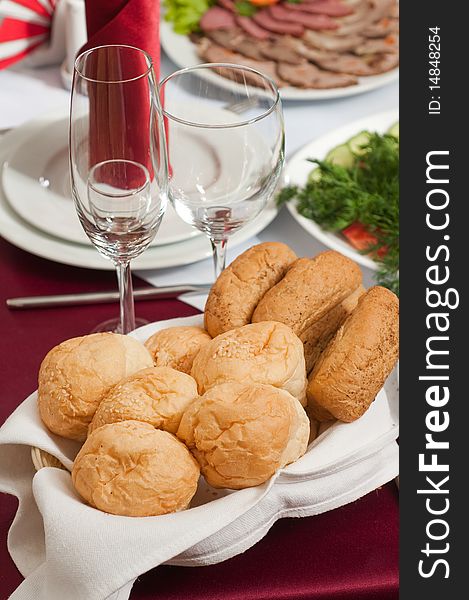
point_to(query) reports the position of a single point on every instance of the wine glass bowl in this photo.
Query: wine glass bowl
(121, 219)
(118, 160)
(225, 148)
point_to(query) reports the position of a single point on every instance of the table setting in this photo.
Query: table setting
(200, 259)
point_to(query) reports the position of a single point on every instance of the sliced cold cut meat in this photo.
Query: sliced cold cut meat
(314, 55)
(318, 22)
(326, 80)
(252, 28)
(381, 28)
(345, 63)
(234, 39)
(217, 18)
(365, 14)
(211, 52)
(382, 63)
(307, 75)
(265, 20)
(331, 8)
(394, 11)
(387, 45)
(282, 49)
(228, 4)
(331, 43)
(298, 75)
(360, 11)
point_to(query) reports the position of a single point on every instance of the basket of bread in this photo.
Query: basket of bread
(287, 348)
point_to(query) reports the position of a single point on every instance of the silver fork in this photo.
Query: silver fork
(242, 105)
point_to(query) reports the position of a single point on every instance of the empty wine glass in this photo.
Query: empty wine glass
(118, 159)
(225, 147)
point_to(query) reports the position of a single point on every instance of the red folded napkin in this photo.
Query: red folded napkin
(113, 116)
(131, 22)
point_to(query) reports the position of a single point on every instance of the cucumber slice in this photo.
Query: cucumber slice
(341, 155)
(394, 130)
(357, 142)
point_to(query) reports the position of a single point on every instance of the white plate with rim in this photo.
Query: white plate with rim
(298, 168)
(36, 182)
(27, 237)
(181, 51)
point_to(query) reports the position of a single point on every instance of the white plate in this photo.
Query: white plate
(298, 169)
(23, 235)
(36, 182)
(182, 52)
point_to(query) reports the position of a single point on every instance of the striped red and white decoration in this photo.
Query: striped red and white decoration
(24, 26)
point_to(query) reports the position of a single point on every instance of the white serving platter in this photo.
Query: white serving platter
(182, 52)
(298, 168)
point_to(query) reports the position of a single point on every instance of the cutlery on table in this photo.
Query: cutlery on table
(170, 291)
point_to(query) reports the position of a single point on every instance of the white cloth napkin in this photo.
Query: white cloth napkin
(66, 549)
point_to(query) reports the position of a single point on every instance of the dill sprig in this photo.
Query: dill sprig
(367, 192)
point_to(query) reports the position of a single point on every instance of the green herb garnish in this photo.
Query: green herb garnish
(185, 14)
(366, 192)
(245, 8)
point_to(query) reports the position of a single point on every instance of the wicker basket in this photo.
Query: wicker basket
(42, 459)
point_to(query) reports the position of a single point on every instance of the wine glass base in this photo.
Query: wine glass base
(114, 325)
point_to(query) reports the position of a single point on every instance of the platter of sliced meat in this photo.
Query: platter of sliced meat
(312, 49)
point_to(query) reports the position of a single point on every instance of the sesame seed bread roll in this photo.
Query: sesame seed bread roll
(132, 469)
(176, 347)
(158, 396)
(267, 352)
(240, 287)
(241, 434)
(310, 289)
(320, 333)
(356, 363)
(75, 375)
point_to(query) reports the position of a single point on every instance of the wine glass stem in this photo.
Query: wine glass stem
(219, 255)
(126, 298)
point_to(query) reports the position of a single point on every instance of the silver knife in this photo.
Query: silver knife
(170, 291)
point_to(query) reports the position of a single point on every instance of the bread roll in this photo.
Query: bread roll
(176, 347)
(240, 287)
(241, 433)
(320, 333)
(158, 396)
(355, 364)
(266, 352)
(310, 289)
(131, 468)
(75, 375)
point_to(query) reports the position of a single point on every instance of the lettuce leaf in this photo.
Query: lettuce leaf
(185, 14)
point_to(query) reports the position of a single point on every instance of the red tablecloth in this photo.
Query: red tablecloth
(347, 554)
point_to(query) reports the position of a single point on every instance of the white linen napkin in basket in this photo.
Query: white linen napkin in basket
(66, 549)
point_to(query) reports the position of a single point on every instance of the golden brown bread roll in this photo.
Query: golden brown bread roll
(310, 289)
(241, 434)
(176, 347)
(355, 364)
(317, 413)
(239, 288)
(158, 396)
(75, 375)
(130, 468)
(320, 333)
(265, 352)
